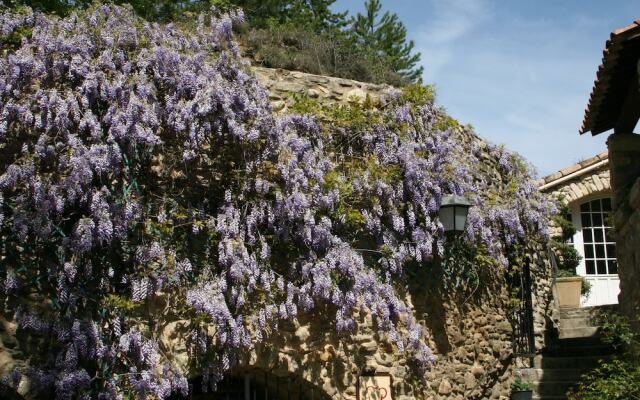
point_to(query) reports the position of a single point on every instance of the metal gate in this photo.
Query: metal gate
(257, 385)
(523, 334)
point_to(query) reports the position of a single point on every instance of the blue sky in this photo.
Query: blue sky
(519, 72)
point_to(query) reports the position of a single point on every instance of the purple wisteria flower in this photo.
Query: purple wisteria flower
(145, 179)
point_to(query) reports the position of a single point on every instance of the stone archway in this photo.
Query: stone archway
(257, 384)
(9, 393)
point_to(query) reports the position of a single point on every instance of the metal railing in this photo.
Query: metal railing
(524, 344)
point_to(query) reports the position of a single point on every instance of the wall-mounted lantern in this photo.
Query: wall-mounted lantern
(453, 213)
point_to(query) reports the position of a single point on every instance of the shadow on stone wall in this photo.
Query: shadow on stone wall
(257, 384)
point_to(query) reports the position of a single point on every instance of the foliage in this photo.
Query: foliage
(618, 378)
(568, 257)
(302, 35)
(614, 380)
(617, 331)
(309, 37)
(562, 219)
(153, 10)
(316, 15)
(520, 385)
(386, 36)
(585, 288)
(372, 48)
(333, 54)
(145, 180)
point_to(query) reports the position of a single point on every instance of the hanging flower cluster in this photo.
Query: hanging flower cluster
(141, 159)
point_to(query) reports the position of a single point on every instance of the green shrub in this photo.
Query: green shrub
(521, 386)
(615, 380)
(618, 379)
(568, 256)
(585, 289)
(563, 219)
(334, 54)
(616, 330)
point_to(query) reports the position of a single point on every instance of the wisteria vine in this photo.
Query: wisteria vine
(141, 159)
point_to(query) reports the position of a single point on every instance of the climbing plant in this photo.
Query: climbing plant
(144, 180)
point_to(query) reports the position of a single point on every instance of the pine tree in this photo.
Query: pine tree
(387, 36)
(317, 15)
(314, 15)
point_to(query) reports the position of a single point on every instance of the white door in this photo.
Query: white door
(593, 241)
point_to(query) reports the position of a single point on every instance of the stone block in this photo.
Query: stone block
(355, 94)
(313, 93)
(470, 381)
(504, 327)
(445, 387)
(598, 183)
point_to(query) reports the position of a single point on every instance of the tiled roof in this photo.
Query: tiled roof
(619, 63)
(548, 180)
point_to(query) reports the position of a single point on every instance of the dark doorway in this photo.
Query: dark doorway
(255, 384)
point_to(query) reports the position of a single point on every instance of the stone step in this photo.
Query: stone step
(551, 362)
(567, 323)
(551, 388)
(587, 312)
(579, 351)
(571, 313)
(554, 375)
(580, 341)
(577, 332)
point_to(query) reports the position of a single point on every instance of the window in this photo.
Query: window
(599, 247)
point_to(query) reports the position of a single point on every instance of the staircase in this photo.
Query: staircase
(576, 350)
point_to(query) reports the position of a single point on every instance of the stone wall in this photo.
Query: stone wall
(574, 184)
(471, 334)
(624, 153)
(628, 245)
(468, 329)
(283, 85)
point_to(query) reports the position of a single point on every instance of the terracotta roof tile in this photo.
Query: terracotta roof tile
(611, 78)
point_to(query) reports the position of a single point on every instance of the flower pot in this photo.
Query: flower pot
(522, 395)
(568, 290)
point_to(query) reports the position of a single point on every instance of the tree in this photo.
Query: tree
(156, 10)
(315, 15)
(59, 7)
(387, 35)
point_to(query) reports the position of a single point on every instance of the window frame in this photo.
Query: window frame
(578, 237)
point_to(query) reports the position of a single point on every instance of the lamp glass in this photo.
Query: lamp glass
(447, 218)
(460, 217)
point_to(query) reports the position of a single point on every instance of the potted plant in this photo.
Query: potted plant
(521, 390)
(570, 288)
